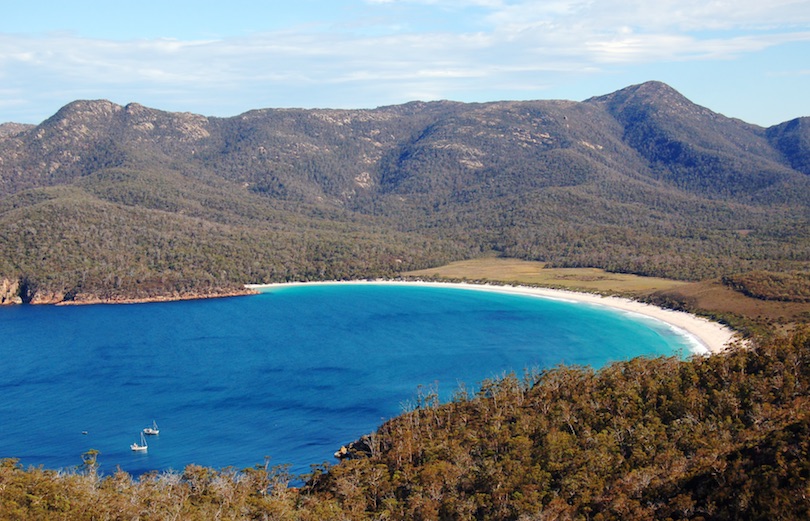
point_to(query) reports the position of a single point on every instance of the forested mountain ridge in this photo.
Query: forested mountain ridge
(129, 201)
(699, 150)
(792, 138)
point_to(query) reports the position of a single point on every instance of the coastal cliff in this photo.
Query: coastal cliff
(24, 291)
(9, 292)
(13, 292)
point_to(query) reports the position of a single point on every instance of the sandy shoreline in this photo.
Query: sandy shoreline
(709, 337)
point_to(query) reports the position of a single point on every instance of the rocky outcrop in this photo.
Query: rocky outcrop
(362, 448)
(10, 292)
(23, 291)
(87, 298)
(26, 291)
(11, 129)
(47, 297)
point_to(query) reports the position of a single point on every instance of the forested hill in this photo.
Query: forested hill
(110, 201)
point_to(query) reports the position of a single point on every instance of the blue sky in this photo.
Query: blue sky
(747, 59)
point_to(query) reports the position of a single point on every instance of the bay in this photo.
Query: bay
(290, 374)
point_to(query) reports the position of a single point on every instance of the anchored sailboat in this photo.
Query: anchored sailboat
(142, 447)
(153, 430)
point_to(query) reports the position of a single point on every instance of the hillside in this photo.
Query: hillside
(116, 202)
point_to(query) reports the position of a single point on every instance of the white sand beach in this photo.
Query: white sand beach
(709, 337)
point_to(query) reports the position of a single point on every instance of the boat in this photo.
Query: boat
(140, 447)
(153, 430)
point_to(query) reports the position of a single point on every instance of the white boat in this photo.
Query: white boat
(153, 430)
(140, 447)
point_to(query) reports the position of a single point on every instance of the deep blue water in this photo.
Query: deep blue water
(292, 374)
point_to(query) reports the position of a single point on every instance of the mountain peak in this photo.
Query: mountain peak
(86, 108)
(657, 101)
(650, 92)
(79, 118)
(652, 88)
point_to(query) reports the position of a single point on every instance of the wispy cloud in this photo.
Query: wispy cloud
(385, 56)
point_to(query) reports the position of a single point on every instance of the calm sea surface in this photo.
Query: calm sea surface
(292, 374)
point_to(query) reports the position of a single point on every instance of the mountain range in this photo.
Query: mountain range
(103, 201)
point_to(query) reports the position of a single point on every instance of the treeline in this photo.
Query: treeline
(72, 243)
(791, 286)
(720, 437)
(135, 234)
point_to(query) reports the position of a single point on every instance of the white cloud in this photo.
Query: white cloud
(385, 57)
(685, 15)
(533, 41)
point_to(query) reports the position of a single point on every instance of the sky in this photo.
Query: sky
(746, 59)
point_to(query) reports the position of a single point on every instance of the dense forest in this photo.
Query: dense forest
(789, 287)
(108, 202)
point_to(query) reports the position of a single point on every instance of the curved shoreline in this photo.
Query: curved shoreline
(710, 337)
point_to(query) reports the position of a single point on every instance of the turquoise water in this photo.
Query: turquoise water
(292, 374)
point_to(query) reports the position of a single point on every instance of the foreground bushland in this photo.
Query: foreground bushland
(720, 437)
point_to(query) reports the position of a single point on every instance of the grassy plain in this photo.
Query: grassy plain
(707, 297)
(517, 271)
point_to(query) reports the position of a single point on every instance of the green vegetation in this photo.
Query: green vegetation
(788, 287)
(529, 273)
(78, 246)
